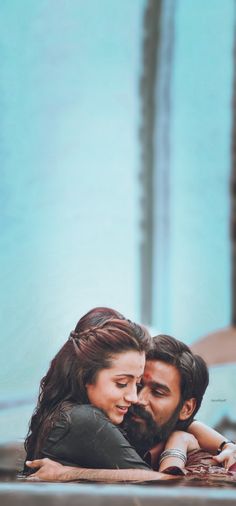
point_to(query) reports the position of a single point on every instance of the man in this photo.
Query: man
(171, 393)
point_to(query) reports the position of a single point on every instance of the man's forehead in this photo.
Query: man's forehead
(160, 372)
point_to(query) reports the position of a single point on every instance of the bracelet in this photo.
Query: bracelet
(222, 445)
(173, 452)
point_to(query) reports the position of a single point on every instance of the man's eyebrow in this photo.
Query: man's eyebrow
(160, 386)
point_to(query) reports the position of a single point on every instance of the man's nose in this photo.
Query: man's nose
(143, 397)
(132, 396)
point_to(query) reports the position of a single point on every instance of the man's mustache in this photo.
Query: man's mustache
(141, 412)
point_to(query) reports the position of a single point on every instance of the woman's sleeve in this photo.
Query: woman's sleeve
(93, 441)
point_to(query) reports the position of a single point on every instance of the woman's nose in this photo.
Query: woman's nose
(143, 397)
(132, 395)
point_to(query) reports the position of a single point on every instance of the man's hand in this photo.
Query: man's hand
(48, 470)
(227, 456)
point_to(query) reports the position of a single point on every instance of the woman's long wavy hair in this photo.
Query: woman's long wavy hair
(97, 337)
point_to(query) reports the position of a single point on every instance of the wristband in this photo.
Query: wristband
(222, 445)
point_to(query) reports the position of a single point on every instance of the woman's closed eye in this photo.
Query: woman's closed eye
(121, 385)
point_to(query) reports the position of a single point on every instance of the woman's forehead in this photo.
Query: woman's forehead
(130, 362)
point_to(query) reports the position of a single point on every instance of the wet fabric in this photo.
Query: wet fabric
(199, 463)
(84, 436)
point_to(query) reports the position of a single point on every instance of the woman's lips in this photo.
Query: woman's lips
(122, 409)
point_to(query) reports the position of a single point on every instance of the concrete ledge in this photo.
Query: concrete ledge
(204, 491)
(77, 494)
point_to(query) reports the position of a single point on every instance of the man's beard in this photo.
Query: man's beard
(144, 435)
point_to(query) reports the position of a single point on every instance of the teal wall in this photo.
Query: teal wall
(192, 293)
(69, 160)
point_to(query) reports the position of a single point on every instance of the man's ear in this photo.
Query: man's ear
(187, 409)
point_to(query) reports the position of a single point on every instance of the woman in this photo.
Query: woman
(88, 389)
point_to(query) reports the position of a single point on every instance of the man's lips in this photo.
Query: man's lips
(137, 418)
(139, 414)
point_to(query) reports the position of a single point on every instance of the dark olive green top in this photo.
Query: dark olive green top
(84, 436)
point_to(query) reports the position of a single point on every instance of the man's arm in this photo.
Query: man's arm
(49, 470)
(177, 447)
(210, 440)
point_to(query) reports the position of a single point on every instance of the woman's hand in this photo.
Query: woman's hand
(227, 456)
(48, 470)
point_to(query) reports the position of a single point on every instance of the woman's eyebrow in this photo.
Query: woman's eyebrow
(124, 374)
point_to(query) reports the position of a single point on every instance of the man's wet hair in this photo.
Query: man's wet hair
(194, 375)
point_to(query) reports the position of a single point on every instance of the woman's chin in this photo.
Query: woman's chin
(116, 418)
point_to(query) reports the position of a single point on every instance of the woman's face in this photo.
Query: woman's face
(115, 389)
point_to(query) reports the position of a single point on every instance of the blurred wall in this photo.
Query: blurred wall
(191, 289)
(69, 161)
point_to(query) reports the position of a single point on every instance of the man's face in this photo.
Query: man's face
(159, 404)
(160, 394)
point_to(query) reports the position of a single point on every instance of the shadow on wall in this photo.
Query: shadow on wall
(219, 347)
(219, 351)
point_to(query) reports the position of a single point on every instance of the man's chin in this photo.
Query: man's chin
(140, 431)
(143, 430)
(139, 428)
